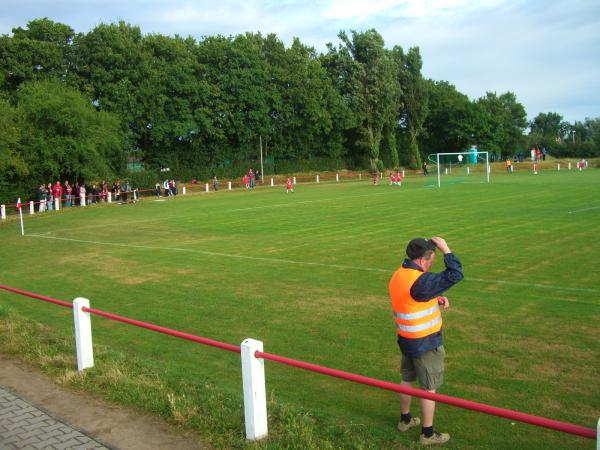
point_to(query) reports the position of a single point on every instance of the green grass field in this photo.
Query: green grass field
(307, 274)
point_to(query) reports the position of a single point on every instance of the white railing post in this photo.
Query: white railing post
(272, 183)
(3, 212)
(31, 207)
(337, 177)
(229, 185)
(206, 187)
(82, 200)
(446, 171)
(317, 178)
(294, 180)
(468, 170)
(83, 334)
(360, 176)
(402, 173)
(569, 165)
(184, 191)
(56, 204)
(110, 197)
(559, 166)
(255, 396)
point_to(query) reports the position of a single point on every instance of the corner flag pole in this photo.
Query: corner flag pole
(21, 216)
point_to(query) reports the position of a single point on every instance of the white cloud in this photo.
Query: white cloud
(367, 9)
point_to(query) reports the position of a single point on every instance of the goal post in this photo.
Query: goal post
(458, 158)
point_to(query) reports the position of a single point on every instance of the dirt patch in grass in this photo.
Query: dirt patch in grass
(119, 270)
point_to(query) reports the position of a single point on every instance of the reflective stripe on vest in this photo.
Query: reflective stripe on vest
(423, 326)
(418, 314)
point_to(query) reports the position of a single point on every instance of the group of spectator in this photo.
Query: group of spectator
(170, 187)
(537, 154)
(70, 195)
(250, 178)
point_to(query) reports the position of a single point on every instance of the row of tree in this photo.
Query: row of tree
(79, 106)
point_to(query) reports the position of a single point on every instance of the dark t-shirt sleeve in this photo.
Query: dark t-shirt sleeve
(431, 284)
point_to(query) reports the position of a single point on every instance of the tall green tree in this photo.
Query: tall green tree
(12, 166)
(368, 79)
(41, 51)
(548, 125)
(180, 129)
(109, 68)
(450, 122)
(304, 115)
(64, 137)
(415, 99)
(245, 95)
(501, 122)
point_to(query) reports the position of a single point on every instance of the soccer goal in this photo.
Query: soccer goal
(461, 166)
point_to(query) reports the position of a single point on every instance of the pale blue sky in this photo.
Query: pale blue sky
(546, 52)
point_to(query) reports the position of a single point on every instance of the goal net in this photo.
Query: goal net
(460, 167)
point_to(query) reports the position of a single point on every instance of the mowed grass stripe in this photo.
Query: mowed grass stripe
(273, 260)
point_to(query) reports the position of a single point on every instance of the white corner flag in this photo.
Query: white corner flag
(20, 216)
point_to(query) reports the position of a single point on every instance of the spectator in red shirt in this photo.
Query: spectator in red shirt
(58, 192)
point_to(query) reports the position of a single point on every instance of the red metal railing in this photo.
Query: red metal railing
(164, 330)
(466, 404)
(454, 401)
(39, 297)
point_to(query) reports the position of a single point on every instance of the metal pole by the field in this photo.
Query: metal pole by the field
(438, 170)
(262, 168)
(21, 216)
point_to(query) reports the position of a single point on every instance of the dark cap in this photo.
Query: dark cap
(418, 247)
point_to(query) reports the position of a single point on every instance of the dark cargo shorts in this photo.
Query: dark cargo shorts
(428, 368)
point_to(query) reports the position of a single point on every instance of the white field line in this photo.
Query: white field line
(204, 252)
(584, 209)
(305, 263)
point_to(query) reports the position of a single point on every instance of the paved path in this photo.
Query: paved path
(106, 424)
(25, 426)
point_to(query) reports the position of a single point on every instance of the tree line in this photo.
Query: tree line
(81, 106)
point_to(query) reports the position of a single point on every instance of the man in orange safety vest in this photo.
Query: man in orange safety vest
(416, 295)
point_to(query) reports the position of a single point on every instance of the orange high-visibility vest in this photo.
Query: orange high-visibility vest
(413, 319)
